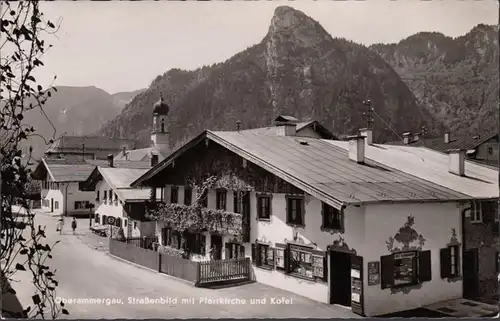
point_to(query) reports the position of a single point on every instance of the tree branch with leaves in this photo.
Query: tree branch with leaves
(23, 246)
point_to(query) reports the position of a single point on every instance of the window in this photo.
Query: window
(295, 210)
(332, 218)
(263, 255)
(124, 223)
(220, 199)
(195, 243)
(105, 195)
(476, 214)
(116, 197)
(490, 150)
(174, 195)
(110, 195)
(78, 205)
(135, 224)
(56, 205)
(118, 222)
(97, 196)
(300, 262)
(104, 220)
(405, 268)
(188, 195)
(237, 202)
(96, 218)
(234, 251)
(263, 207)
(450, 258)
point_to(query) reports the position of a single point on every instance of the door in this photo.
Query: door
(471, 274)
(216, 246)
(340, 278)
(51, 205)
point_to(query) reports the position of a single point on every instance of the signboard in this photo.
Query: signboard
(317, 265)
(373, 273)
(111, 220)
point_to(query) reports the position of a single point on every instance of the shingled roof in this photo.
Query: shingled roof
(92, 143)
(463, 142)
(321, 169)
(480, 182)
(301, 126)
(61, 170)
(119, 179)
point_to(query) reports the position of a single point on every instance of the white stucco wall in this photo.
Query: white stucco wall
(66, 194)
(109, 208)
(434, 222)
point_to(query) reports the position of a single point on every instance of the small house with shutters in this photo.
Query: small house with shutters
(479, 218)
(118, 208)
(317, 219)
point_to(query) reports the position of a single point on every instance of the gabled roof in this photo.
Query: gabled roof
(61, 170)
(301, 125)
(143, 154)
(479, 182)
(119, 180)
(463, 142)
(92, 143)
(285, 118)
(320, 169)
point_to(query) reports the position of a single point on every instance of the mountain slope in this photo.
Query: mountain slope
(75, 111)
(297, 69)
(456, 79)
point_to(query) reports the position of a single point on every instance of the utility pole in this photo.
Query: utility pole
(423, 132)
(368, 113)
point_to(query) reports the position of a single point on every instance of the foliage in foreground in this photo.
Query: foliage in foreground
(23, 248)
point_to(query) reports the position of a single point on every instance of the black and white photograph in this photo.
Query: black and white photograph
(249, 159)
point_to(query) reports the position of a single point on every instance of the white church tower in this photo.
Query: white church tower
(160, 136)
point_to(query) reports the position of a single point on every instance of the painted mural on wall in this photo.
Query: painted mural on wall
(406, 239)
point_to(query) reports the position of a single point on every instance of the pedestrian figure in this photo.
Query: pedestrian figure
(61, 224)
(73, 224)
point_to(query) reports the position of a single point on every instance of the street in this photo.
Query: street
(128, 291)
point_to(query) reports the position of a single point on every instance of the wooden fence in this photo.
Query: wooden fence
(142, 242)
(200, 273)
(217, 271)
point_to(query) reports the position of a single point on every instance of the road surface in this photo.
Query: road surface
(85, 273)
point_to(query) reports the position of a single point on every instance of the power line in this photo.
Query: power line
(387, 125)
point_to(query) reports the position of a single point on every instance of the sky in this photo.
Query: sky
(122, 45)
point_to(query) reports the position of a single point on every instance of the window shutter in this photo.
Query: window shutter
(495, 227)
(424, 266)
(387, 269)
(325, 269)
(445, 256)
(254, 254)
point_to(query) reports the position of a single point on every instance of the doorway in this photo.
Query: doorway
(51, 205)
(340, 278)
(216, 245)
(471, 273)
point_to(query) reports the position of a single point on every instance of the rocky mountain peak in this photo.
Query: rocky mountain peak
(296, 26)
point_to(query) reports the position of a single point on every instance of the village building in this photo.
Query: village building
(316, 219)
(160, 137)
(87, 147)
(481, 148)
(60, 179)
(119, 209)
(480, 220)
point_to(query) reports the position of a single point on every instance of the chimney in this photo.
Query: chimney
(367, 133)
(456, 161)
(357, 148)
(407, 138)
(286, 129)
(238, 125)
(447, 138)
(110, 160)
(154, 160)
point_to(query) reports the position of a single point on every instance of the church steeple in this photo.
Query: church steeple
(160, 136)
